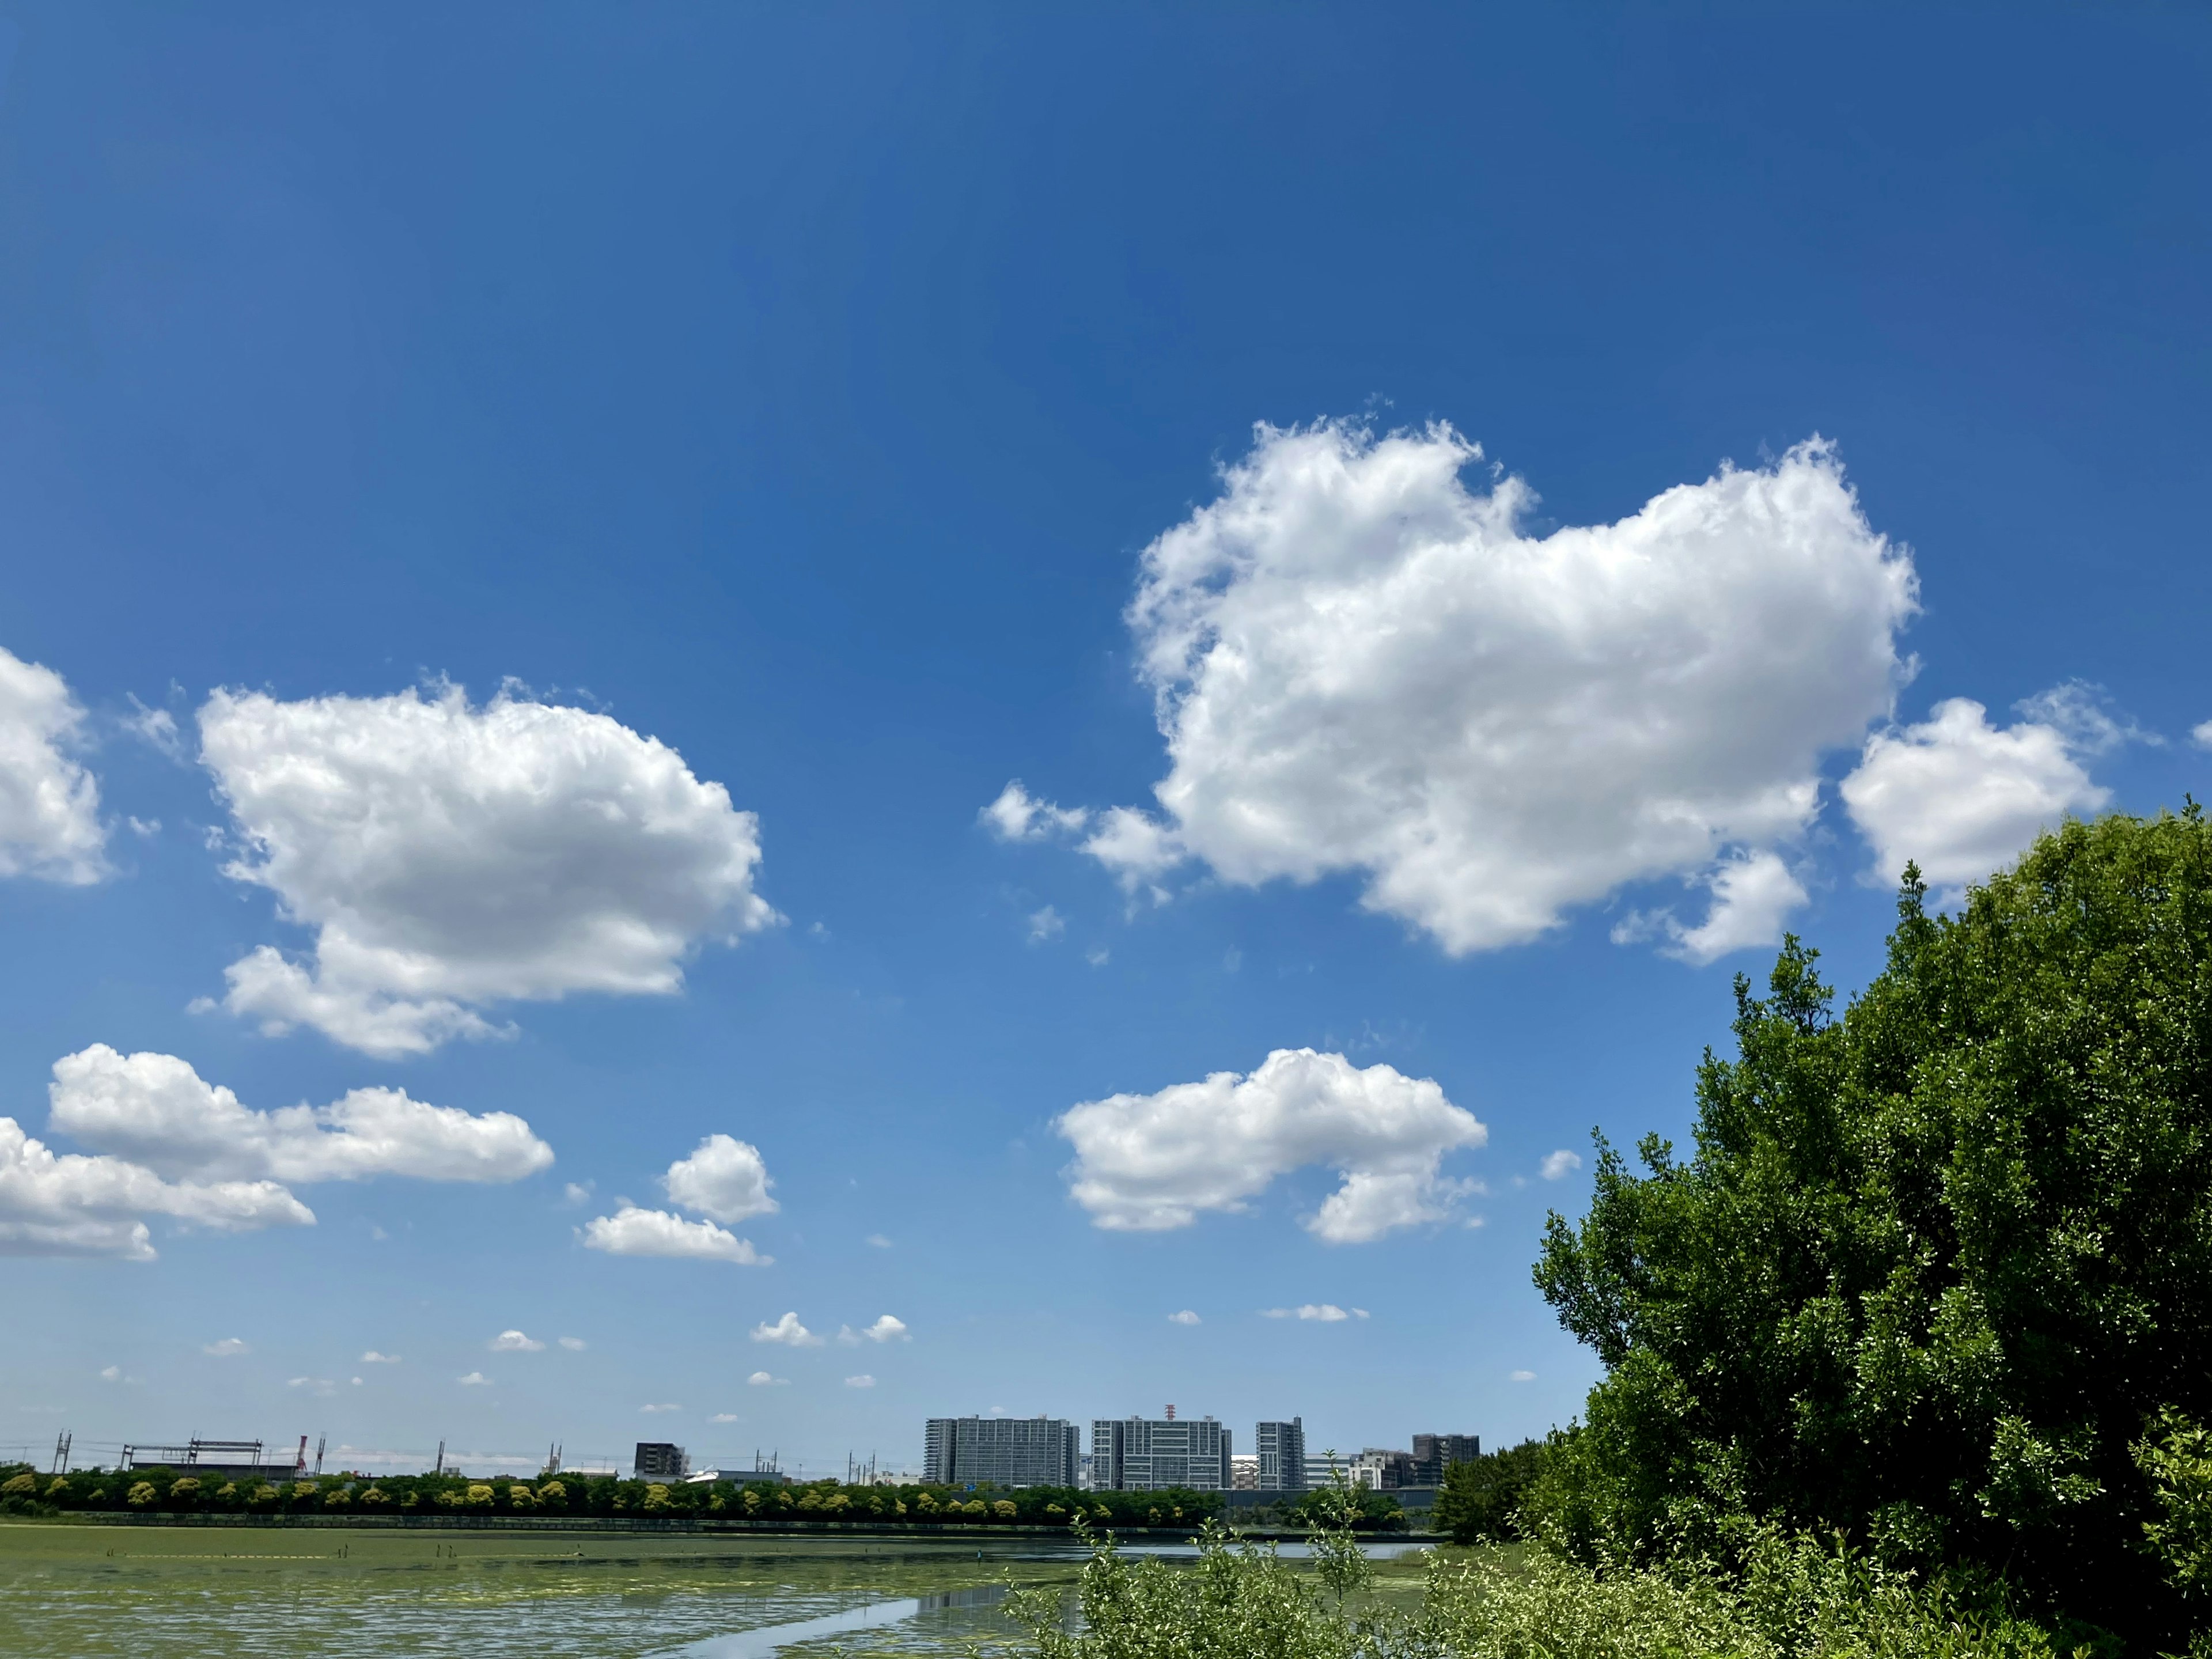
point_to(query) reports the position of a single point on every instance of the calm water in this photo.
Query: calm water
(149, 1593)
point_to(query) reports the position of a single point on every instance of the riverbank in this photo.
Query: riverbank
(618, 1526)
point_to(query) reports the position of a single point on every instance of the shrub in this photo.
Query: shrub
(1003, 1508)
(21, 1486)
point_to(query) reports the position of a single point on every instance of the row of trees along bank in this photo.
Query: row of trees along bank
(25, 1491)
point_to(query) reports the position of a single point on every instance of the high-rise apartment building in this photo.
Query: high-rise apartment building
(659, 1460)
(1282, 1450)
(1005, 1451)
(1145, 1454)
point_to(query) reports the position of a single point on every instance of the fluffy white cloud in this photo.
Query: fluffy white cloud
(1962, 798)
(787, 1330)
(886, 1329)
(449, 857)
(156, 1109)
(1359, 665)
(1326, 1313)
(725, 1178)
(514, 1342)
(69, 1204)
(633, 1231)
(763, 1380)
(474, 1380)
(726, 1417)
(1017, 814)
(372, 1358)
(863, 1380)
(1186, 1318)
(49, 805)
(654, 1411)
(1557, 1166)
(1145, 1163)
(1045, 924)
(1753, 894)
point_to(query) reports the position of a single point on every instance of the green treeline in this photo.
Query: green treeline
(25, 1491)
(1934, 1278)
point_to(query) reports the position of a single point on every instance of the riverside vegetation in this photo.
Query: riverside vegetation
(1909, 1356)
(179, 1493)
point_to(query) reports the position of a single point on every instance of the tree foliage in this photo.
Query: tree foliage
(1937, 1268)
(1481, 1497)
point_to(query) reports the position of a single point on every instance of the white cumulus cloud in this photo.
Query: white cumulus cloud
(725, 1178)
(633, 1231)
(1326, 1313)
(372, 1358)
(1186, 1318)
(1360, 665)
(787, 1330)
(229, 1348)
(863, 1380)
(157, 1111)
(514, 1342)
(763, 1380)
(474, 1380)
(1017, 814)
(67, 1204)
(654, 1411)
(449, 857)
(1962, 798)
(1147, 1162)
(1557, 1166)
(50, 823)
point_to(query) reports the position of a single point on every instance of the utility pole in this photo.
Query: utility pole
(321, 1440)
(61, 1453)
(441, 1469)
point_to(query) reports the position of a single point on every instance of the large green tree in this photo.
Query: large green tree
(1939, 1270)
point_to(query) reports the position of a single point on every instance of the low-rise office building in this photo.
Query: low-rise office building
(1003, 1452)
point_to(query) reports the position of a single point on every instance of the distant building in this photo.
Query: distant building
(659, 1460)
(1435, 1453)
(217, 1460)
(1004, 1451)
(1145, 1454)
(1245, 1471)
(1281, 1449)
(1324, 1470)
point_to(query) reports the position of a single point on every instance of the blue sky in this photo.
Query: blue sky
(873, 406)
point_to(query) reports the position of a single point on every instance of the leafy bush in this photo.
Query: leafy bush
(1937, 1266)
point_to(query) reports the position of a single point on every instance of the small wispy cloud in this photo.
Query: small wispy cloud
(514, 1342)
(863, 1380)
(228, 1348)
(372, 1358)
(763, 1380)
(787, 1330)
(575, 1344)
(1326, 1312)
(1558, 1165)
(1186, 1318)
(1524, 1376)
(726, 1417)
(1045, 924)
(653, 1411)
(474, 1380)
